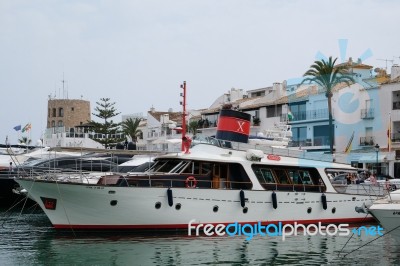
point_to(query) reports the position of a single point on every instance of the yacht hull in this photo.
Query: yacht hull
(83, 206)
(388, 215)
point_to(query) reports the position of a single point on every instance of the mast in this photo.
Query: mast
(183, 86)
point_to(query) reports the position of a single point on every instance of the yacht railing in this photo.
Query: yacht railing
(362, 189)
(62, 175)
(281, 151)
(199, 182)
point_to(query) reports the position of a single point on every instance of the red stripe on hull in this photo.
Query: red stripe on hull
(185, 226)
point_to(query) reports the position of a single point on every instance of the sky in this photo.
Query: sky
(137, 53)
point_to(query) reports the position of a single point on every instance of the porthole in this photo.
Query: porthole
(178, 206)
(157, 205)
(309, 210)
(245, 210)
(333, 210)
(113, 202)
(215, 208)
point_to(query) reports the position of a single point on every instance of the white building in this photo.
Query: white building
(362, 113)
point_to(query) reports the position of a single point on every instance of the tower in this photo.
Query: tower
(67, 113)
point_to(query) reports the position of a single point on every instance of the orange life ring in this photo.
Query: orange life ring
(191, 182)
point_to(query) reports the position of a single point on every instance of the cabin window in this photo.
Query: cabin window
(306, 177)
(281, 176)
(165, 166)
(236, 176)
(288, 178)
(295, 177)
(263, 175)
(205, 168)
(180, 167)
(191, 168)
(299, 177)
(197, 168)
(70, 164)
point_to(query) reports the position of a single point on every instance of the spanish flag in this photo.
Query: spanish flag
(27, 127)
(348, 147)
(389, 134)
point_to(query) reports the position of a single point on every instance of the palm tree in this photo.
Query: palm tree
(25, 140)
(130, 128)
(327, 75)
(193, 126)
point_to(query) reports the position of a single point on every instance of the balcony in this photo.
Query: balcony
(395, 137)
(306, 115)
(396, 105)
(367, 141)
(300, 143)
(367, 113)
(99, 135)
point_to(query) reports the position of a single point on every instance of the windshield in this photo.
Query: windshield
(199, 138)
(36, 162)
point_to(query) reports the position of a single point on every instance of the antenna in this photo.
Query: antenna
(386, 60)
(63, 83)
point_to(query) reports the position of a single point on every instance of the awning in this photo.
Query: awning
(372, 158)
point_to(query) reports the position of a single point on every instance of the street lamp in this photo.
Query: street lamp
(377, 151)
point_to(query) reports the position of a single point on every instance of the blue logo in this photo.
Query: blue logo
(368, 231)
(348, 102)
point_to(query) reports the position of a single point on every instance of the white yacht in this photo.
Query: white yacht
(210, 183)
(387, 212)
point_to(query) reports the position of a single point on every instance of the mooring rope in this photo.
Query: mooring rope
(371, 241)
(350, 238)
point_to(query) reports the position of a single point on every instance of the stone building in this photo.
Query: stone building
(67, 113)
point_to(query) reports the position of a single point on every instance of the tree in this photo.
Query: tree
(25, 140)
(130, 128)
(327, 75)
(106, 110)
(256, 121)
(193, 126)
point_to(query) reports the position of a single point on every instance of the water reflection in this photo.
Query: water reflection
(182, 250)
(29, 239)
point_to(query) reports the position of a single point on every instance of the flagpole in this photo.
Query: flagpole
(390, 133)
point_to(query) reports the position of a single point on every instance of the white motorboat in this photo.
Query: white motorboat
(387, 212)
(208, 184)
(279, 136)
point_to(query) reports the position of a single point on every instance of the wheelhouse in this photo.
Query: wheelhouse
(203, 174)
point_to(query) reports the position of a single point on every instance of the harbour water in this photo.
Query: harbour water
(27, 238)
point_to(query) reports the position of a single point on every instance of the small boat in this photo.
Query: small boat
(210, 183)
(20, 153)
(387, 212)
(280, 135)
(86, 169)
